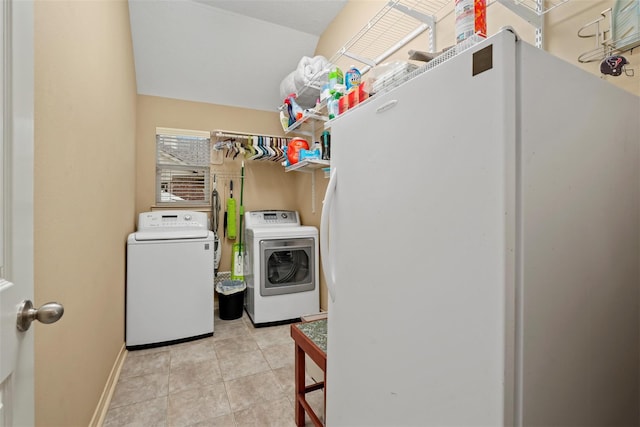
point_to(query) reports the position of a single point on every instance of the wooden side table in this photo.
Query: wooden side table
(311, 339)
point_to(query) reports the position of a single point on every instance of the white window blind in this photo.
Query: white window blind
(182, 166)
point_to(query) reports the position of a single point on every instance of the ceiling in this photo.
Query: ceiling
(227, 52)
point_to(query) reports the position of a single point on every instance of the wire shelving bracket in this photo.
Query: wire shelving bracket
(533, 12)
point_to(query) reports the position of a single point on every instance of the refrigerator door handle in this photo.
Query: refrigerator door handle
(327, 264)
(387, 106)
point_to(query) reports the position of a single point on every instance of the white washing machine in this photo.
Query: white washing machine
(281, 267)
(169, 296)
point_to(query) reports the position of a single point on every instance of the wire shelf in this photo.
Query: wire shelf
(392, 27)
(308, 165)
(400, 78)
(538, 7)
(401, 21)
(448, 54)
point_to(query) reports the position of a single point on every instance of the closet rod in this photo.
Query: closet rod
(225, 176)
(243, 135)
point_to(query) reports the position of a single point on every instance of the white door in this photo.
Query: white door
(16, 215)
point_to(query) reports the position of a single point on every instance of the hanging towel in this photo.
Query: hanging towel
(231, 218)
(231, 214)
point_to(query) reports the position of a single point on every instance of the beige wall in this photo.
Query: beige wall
(561, 26)
(85, 98)
(304, 205)
(266, 185)
(95, 170)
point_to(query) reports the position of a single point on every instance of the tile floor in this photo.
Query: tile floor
(242, 376)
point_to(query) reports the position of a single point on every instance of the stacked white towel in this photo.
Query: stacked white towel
(306, 80)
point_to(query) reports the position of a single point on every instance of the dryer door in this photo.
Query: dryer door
(287, 266)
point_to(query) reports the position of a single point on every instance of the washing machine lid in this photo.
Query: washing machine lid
(171, 234)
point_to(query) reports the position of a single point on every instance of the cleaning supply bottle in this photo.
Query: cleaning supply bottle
(352, 78)
(295, 111)
(336, 78)
(326, 145)
(332, 105)
(470, 19)
(284, 120)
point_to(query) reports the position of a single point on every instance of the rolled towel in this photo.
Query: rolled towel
(301, 77)
(309, 70)
(287, 86)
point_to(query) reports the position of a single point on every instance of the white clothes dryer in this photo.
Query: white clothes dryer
(281, 267)
(169, 294)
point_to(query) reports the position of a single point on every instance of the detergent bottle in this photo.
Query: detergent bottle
(352, 78)
(336, 78)
(332, 105)
(295, 111)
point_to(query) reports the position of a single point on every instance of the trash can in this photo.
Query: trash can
(230, 299)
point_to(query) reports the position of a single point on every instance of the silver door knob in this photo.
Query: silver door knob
(49, 313)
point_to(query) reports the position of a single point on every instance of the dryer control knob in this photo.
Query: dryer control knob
(187, 217)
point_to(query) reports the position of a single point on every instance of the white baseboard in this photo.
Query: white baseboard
(103, 404)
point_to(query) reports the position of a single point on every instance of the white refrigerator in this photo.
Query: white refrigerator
(480, 241)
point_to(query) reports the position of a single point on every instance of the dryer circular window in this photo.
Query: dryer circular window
(281, 268)
(288, 266)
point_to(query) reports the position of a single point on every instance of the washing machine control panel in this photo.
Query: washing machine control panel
(271, 218)
(172, 220)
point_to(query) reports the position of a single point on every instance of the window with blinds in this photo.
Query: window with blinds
(182, 166)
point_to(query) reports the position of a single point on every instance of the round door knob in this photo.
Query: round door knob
(48, 313)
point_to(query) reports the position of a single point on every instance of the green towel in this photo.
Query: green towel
(231, 219)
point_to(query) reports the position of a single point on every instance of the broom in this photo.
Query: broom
(237, 261)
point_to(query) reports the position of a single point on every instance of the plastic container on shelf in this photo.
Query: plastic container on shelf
(388, 75)
(293, 149)
(326, 145)
(353, 97)
(332, 106)
(352, 78)
(336, 79)
(471, 18)
(343, 104)
(363, 93)
(325, 93)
